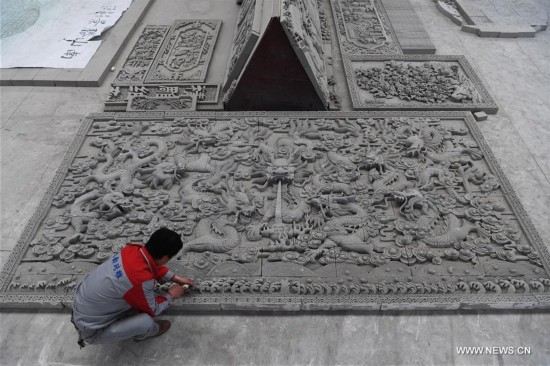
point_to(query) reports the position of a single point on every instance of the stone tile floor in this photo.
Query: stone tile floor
(39, 123)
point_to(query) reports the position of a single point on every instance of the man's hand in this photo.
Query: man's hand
(177, 291)
(183, 281)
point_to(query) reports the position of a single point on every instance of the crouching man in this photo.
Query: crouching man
(116, 301)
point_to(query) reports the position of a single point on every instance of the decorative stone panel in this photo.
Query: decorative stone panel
(290, 211)
(300, 20)
(416, 82)
(117, 100)
(186, 54)
(363, 28)
(245, 39)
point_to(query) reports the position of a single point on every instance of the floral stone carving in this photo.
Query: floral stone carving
(290, 211)
(421, 82)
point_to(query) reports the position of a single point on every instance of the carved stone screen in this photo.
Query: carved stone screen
(290, 211)
(416, 82)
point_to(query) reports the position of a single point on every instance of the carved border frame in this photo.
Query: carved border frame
(489, 105)
(290, 302)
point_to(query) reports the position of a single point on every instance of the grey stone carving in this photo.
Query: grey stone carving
(142, 55)
(421, 82)
(245, 39)
(117, 100)
(408, 27)
(186, 53)
(300, 20)
(170, 55)
(324, 22)
(261, 23)
(164, 103)
(290, 211)
(363, 28)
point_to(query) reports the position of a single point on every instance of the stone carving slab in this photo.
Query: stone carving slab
(186, 53)
(300, 20)
(416, 82)
(408, 28)
(245, 39)
(363, 28)
(324, 22)
(170, 102)
(301, 211)
(141, 57)
(170, 54)
(117, 100)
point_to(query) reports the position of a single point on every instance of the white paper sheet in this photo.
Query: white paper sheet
(61, 36)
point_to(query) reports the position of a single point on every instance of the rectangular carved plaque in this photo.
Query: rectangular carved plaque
(363, 28)
(300, 211)
(416, 82)
(142, 55)
(186, 53)
(117, 100)
(170, 102)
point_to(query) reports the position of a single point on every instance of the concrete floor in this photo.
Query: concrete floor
(39, 123)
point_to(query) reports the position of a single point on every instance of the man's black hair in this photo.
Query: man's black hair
(164, 242)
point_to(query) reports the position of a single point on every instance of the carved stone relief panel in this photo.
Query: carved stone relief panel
(300, 19)
(142, 55)
(416, 82)
(290, 211)
(186, 53)
(363, 28)
(324, 22)
(245, 38)
(171, 102)
(117, 100)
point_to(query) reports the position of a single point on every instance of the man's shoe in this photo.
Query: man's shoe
(164, 325)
